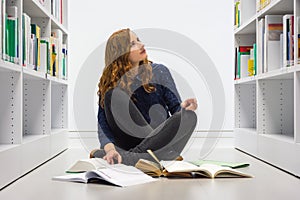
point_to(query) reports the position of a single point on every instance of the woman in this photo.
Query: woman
(139, 106)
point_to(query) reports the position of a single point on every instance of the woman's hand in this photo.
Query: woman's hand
(190, 104)
(111, 154)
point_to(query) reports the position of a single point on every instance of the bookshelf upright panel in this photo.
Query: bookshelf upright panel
(297, 107)
(10, 107)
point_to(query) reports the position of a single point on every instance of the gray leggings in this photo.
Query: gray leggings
(134, 136)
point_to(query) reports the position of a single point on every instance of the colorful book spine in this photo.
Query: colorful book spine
(36, 30)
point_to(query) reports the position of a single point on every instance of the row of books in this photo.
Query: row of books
(276, 42)
(245, 61)
(274, 48)
(22, 43)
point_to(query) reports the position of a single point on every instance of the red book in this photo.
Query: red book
(245, 48)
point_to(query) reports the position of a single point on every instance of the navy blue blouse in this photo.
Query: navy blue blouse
(164, 102)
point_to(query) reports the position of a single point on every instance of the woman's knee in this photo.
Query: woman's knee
(189, 116)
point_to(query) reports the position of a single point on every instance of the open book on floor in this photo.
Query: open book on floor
(118, 174)
(186, 169)
(89, 164)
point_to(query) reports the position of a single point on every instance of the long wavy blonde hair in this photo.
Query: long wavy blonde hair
(117, 66)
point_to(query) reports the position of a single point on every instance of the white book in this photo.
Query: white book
(119, 175)
(57, 33)
(281, 63)
(286, 41)
(244, 65)
(272, 33)
(260, 46)
(273, 55)
(27, 38)
(44, 54)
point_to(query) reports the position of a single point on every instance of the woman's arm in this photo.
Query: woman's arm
(104, 132)
(106, 139)
(171, 95)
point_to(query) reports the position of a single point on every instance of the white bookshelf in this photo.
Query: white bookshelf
(33, 106)
(267, 110)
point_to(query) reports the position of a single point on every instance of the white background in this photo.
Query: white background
(91, 22)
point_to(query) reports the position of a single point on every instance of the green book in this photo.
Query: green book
(232, 165)
(255, 58)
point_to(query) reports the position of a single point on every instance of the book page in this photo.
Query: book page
(178, 166)
(220, 171)
(87, 165)
(79, 177)
(123, 175)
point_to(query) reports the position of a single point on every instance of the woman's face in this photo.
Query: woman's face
(137, 51)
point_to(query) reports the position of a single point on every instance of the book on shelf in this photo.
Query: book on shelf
(260, 46)
(11, 35)
(182, 168)
(45, 54)
(58, 34)
(298, 39)
(273, 29)
(26, 37)
(288, 40)
(261, 4)
(64, 61)
(36, 32)
(118, 174)
(237, 14)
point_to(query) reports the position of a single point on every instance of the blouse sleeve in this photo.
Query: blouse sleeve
(105, 135)
(170, 93)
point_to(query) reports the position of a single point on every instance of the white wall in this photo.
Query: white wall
(209, 26)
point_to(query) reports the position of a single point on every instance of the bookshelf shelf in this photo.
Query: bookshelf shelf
(297, 68)
(56, 25)
(57, 81)
(246, 80)
(286, 73)
(277, 7)
(248, 27)
(55, 131)
(8, 67)
(33, 74)
(32, 138)
(6, 147)
(280, 137)
(267, 111)
(33, 86)
(35, 9)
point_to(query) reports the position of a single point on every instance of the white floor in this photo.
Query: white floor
(268, 182)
